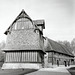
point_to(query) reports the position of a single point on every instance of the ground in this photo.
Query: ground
(43, 71)
(51, 71)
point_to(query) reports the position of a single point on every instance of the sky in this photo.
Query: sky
(59, 16)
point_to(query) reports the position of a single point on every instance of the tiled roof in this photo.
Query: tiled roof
(55, 46)
(23, 40)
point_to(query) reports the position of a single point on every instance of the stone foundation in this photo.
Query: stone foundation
(21, 66)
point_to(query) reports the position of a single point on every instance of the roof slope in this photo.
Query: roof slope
(23, 40)
(22, 14)
(51, 45)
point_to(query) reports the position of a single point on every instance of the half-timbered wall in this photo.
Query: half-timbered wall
(23, 56)
(50, 57)
(55, 58)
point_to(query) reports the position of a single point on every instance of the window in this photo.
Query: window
(22, 23)
(49, 59)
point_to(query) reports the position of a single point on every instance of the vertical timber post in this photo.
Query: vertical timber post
(52, 58)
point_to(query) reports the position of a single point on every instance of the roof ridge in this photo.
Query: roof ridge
(22, 14)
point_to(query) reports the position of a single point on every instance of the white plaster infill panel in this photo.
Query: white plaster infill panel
(21, 66)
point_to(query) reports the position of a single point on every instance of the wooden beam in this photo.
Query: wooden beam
(52, 58)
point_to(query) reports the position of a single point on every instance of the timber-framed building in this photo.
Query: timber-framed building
(26, 47)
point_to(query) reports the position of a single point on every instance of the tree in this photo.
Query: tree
(2, 45)
(67, 44)
(73, 45)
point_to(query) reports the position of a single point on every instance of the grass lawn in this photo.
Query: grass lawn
(16, 72)
(72, 70)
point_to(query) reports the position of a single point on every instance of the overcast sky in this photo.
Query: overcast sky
(59, 16)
